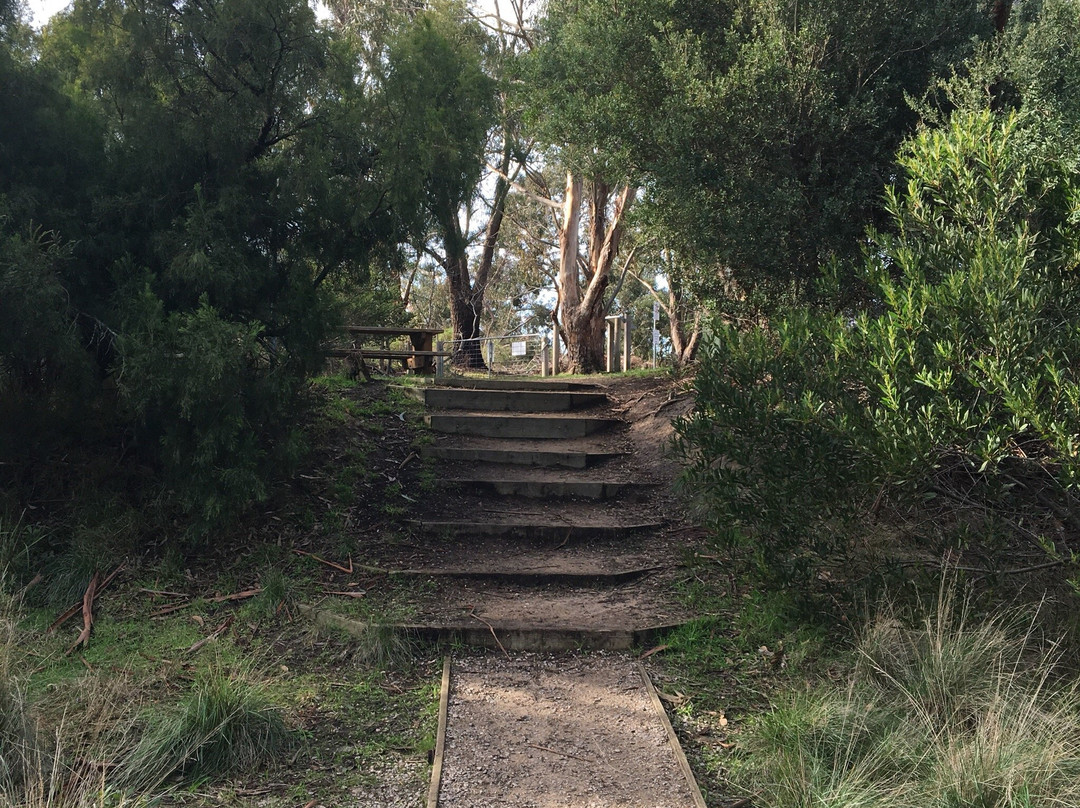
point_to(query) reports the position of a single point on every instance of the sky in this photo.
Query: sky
(42, 10)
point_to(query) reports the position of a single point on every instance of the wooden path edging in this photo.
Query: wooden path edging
(440, 737)
(673, 739)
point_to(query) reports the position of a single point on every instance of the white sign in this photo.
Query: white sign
(655, 341)
(655, 311)
(518, 348)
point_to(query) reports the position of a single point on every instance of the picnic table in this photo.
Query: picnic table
(420, 358)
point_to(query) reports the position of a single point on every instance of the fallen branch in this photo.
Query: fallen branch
(491, 628)
(356, 594)
(656, 650)
(672, 400)
(77, 607)
(348, 570)
(980, 571)
(247, 593)
(743, 803)
(37, 579)
(87, 613)
(561, 544)
(213, 636)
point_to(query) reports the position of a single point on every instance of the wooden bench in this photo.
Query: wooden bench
(419, 359)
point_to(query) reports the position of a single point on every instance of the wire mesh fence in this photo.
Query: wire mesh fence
(514, 354)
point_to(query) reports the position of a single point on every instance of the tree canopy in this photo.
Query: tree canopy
(763, 130)
(191, 192)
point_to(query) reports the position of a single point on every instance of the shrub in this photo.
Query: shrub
(960, 385)
(225, 724)
(769, 461)
(213, 400)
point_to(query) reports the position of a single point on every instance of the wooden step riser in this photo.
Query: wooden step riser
(504, 400)
(525, 428)
(537, 385)
(511, 457)
(534, 579)
(509, 638)
(535, 489)
(531, 532)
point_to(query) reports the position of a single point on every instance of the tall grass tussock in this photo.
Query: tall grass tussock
(225, 724)
(944, 710)
(96, 750)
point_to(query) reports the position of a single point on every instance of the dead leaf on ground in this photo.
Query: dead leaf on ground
(676, 700)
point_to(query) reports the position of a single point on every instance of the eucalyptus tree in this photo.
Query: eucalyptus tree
(446, 82)
(761, 130)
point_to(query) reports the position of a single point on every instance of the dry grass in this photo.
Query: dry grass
(944, 710)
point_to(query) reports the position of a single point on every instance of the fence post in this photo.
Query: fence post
(609, 347)
(543, 355)
(490, 355)
(555, 350)
(626, 342)
(440, 368)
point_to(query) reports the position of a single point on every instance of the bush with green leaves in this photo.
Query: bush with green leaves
(771, 464)
(212, 176)
(960, 384)
(215, 399)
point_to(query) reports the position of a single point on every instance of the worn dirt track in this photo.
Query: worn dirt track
(504, 568)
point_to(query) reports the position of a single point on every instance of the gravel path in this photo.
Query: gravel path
(556, 732)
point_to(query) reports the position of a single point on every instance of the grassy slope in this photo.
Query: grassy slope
(361, 719)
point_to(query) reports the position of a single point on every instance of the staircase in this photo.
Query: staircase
(551, 538)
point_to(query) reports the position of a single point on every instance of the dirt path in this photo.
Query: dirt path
(541, 732)
(574, 546)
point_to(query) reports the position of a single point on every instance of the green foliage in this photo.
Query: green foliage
(275, 592)
(945, 710)
(960, 384)
(973, 353)
(224, 725)
(763, 130)
(195, 192)
(772, 464)
(217, 397)
(443, 102)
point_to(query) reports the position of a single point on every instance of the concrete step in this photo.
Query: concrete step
(542, 489)
(519, 457)
(513, 384)
(520, 426)
(535, 531)
(450, 398)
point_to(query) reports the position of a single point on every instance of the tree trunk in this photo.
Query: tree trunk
(582, 313)
(465, 306)
(683, 344)
(464, 316)
(467, 293)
